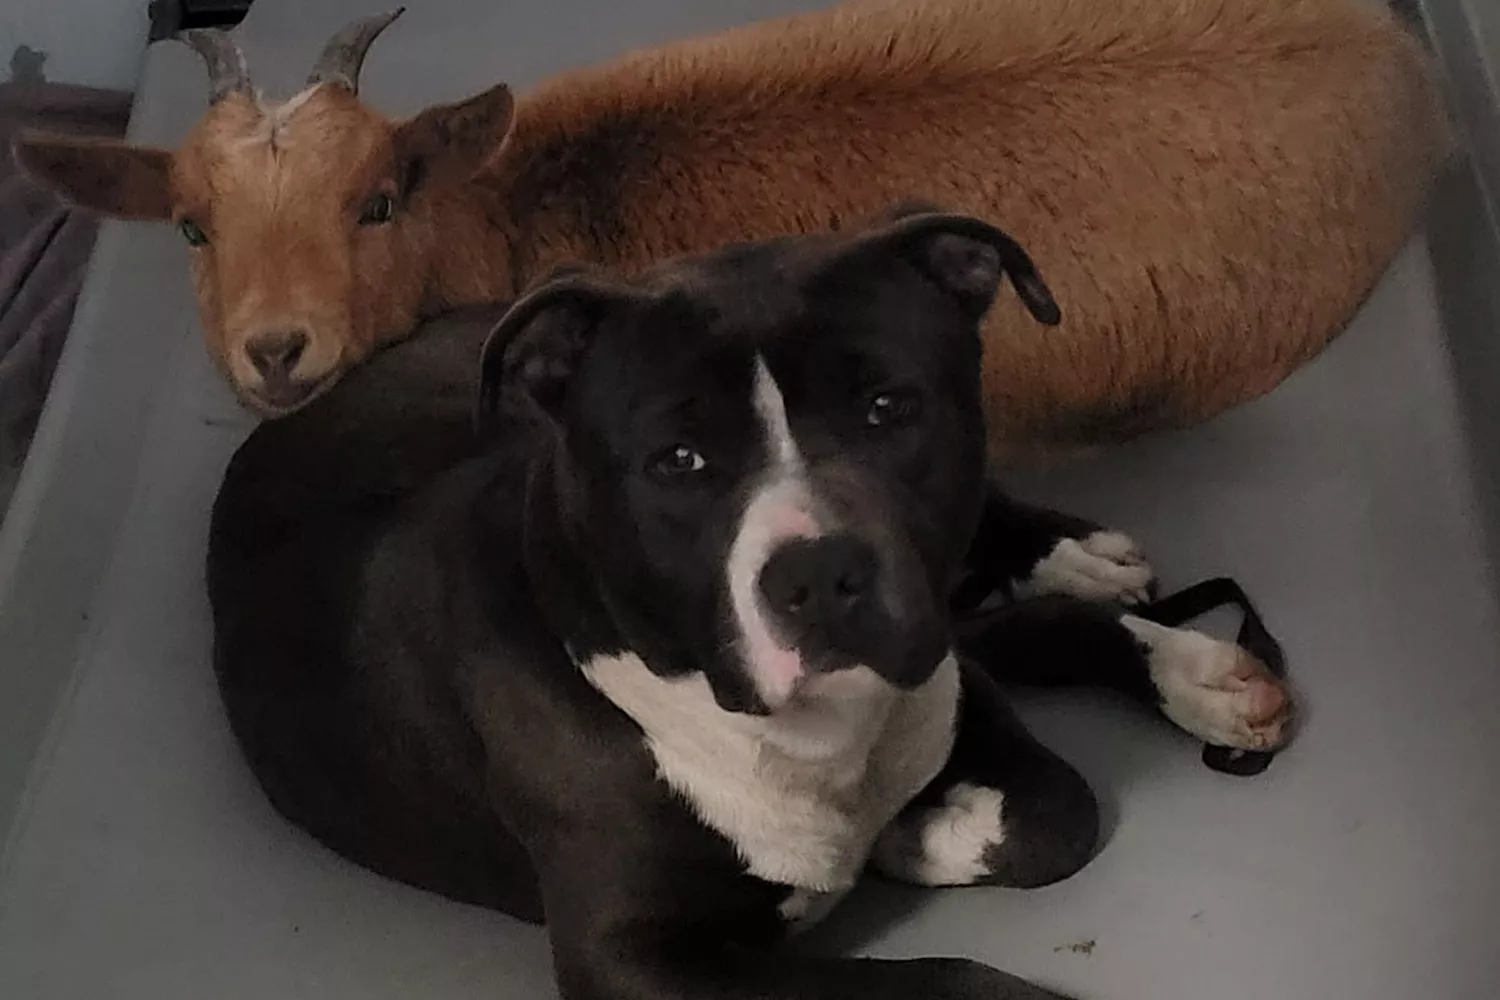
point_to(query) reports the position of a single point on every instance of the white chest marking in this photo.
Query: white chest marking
(803, 793)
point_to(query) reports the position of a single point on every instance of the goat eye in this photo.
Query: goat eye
(378, 210)
(678, 461)
(195, 236)
(892, 408)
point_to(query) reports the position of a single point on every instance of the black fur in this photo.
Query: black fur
(399, 605)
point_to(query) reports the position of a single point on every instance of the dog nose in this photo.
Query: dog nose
(275, 354)
(819, 583)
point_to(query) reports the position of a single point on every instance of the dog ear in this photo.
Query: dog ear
(964, 256)
(531, 354)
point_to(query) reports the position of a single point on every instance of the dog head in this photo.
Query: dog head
(767, 461)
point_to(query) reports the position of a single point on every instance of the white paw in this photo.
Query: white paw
(947, 844)
(1215, 690)
(1104, 566)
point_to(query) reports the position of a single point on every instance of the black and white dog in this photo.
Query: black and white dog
(667, 658)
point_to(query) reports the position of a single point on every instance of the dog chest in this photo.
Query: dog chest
(801, 794)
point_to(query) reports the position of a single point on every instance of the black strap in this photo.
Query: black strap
(1196, 601)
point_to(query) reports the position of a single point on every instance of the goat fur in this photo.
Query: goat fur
(1210, 187)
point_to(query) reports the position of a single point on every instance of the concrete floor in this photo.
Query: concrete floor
(143, 864)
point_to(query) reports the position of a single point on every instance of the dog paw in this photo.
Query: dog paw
(1103, 566)
(945, 845)
(1216, 690)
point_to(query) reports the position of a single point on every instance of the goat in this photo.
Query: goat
(1211, 187)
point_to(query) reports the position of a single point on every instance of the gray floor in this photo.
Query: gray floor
(143, 865)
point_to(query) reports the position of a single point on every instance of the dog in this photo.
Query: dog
(662, 656)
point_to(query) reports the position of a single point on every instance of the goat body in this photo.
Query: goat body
(1210, 187)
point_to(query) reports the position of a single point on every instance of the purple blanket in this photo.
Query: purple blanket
(44, 251)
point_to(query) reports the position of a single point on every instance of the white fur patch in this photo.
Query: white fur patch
(275, 117)
(1104, 566)
(780, 508)
(946, 845)
(803, 793)
(1213, 689)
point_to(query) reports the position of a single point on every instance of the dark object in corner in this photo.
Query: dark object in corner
(171, 16)
(26, 65)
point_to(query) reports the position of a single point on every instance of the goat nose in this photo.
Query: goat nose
(275, 354)
(819, 582)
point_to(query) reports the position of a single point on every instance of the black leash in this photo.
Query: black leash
(1172, 611)
(1198, 600)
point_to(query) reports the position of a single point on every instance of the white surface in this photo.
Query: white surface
(145, 866)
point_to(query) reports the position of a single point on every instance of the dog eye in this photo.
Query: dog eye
(195, 236)
(678, 461)
(892, 408)
(378, 210)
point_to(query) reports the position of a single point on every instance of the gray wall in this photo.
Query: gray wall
(1466, 36)
(1486, 16)
(97, 43)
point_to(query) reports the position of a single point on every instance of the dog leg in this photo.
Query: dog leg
(1023, 551)
(1005, 810)
(1213, 689)
(681, 966)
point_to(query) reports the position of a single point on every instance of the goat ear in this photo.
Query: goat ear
(463, 135)
(128, 182)
(964, 256)
(531, 355)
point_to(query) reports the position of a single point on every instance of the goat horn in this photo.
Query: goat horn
(345, 52)
(227, 72)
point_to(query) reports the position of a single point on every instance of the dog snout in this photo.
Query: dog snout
(821, 586)
(275, 354)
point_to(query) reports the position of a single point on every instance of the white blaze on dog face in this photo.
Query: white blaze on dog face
(781, 508)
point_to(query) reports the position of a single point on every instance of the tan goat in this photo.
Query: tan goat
(1211, 187)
